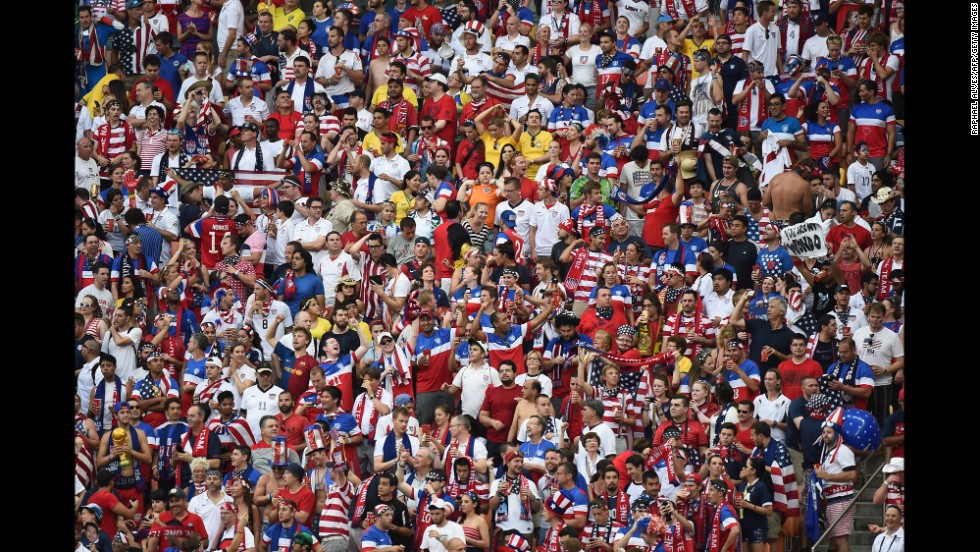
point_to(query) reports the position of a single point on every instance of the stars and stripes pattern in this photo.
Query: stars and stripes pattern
(85, 465)
(234, 432)
(208, 177)
(786, 495)
(246, 182)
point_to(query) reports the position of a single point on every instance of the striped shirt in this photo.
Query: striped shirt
(329, 123)
(151, 144)
(738, 43)
(593, 266)
(334, 519)
(110, 142)
(416, 63)
(152, 241)
(372, 302)
(617, 399)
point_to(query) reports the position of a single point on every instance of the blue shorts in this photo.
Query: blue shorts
(755, 536)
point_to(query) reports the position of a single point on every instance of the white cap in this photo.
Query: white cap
(438, 77)
(440, 503)
(896, 465)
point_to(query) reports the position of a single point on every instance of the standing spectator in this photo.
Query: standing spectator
(880, 348)
(799, 366)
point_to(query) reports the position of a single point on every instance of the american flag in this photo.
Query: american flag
(245, 181)
(233, 432)
(786, 495)
(84, 465)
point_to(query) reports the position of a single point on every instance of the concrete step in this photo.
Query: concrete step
(867, 509)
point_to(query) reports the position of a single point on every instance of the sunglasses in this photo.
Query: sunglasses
(386, 341)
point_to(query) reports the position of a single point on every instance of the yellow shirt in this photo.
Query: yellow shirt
(372, 142)
(535, 147)
(381, 94)
(492, 147)
(280, 18)
(402, 205)
(322, 326)
(688, 49)
(96, 94)
(683, 366)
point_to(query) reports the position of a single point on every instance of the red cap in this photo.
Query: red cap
(427, 312)
(693, 478)
(568, 225)
(514, 453)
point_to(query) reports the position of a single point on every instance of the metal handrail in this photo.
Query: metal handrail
(854, 501)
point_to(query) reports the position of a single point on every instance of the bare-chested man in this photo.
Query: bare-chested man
(526, 407)
(378, 70)
(789, 192)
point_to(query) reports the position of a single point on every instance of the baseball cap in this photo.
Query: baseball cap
(383, 335)
(818, 17)
(263, 368)
(440, 504)
(426, 312)
(896, 465)
(478, 343)
(665, 18)
(438, 77)
(423, 239)
(661, 84)
(120, 406)
(509, 218)
(303, 538)
(176, 492)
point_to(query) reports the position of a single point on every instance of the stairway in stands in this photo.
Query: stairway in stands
(866, 512)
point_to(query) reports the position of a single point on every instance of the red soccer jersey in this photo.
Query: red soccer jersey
(425, 18)
(210, 232)
(837, 233)
(794, 373)
(692, 433)
(107, 501)
(658, 213)
(292, 428)
(304, 498)
(443, 250)
(443, 109)
(501, 404)
(190, 521)
(403, 117)
(591, 323)
(439, 348)
(299, 381)
(288, 124)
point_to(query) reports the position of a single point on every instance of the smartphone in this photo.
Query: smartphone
(377, 279)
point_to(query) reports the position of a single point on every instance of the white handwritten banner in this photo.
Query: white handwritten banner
(804, 240)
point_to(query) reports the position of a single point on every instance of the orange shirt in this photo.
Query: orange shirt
(480, 193)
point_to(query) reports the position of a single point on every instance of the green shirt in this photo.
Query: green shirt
(605, 185)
